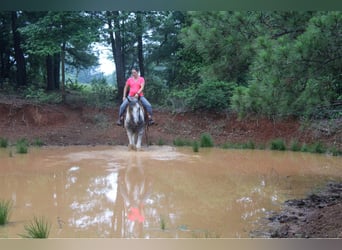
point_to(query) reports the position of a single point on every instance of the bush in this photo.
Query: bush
(295, 146)
(22, 146)
(213, 96)
(179, 142)
(206, 141)
(317, 147)
(3, 143)
(278, 144)
(195, 146)
(38, 142)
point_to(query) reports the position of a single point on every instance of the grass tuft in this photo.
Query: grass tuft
(38, 228)
(295, 146)
(3, 142)
(195, 146)
(5, 211)
(278, 144)
(206, 141)
(22, 146)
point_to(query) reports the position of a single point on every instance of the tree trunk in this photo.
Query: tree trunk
(50, 84)
(140, 43)
(56, 63)
(63, 71)
(115, 40)
(19, 55)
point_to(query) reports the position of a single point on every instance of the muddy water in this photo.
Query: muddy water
(162, 192)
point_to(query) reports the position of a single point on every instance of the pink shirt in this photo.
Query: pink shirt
(135, 85)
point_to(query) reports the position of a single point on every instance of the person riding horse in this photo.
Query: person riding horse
(136, 86)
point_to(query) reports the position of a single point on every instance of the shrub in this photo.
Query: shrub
(22, 146)
(179, 142)
(317, 147)
(195, 146)
(38, 142)
(278, 144)
(295, 145)
(5, 210)
(206, 141)
(3, 143)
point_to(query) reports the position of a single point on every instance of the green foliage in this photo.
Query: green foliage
(3, 142)
(160, 142)
(41, 96)
(22, 146)
(38, 142)
(295, 146)
(101, 94)
(5, 211)
(246, 145)
(38, 228)
(317, 147)
(278, 144)
(213, 96)
(180, 142)
(206, 141)
(334, 151)
(195, 146)
(293, 72)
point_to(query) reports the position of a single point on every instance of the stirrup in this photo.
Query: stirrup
(150, 121)
(119, 122)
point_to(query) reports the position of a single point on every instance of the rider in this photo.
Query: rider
(136, 85)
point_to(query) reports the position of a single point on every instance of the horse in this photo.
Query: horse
(134, 123)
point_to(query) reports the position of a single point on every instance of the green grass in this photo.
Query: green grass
(38, 142)
(206, 141)
(295, 146)
(3, 142)
(334, 151)
(38, 228)
(162, 223)
(278, 144)
(160, 142)
(195, 146)
(22, 146)
(317, 147)
(179, 142)
(5, 211)
(245, 145)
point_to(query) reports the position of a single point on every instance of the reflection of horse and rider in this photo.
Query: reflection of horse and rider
(136, 84)
(135, 190)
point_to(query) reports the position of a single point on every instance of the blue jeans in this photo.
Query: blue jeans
(144, 102)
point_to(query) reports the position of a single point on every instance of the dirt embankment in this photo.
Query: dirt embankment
(77, 125)
(317, 216)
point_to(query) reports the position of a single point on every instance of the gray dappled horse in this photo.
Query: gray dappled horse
(134, 123)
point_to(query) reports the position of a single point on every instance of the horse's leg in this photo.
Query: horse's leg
(139, 138)
(130, 139)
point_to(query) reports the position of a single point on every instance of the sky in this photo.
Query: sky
(106, 61)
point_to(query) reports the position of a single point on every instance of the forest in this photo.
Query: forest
(274, 64)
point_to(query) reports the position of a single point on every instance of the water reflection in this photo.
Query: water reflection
(135, 190)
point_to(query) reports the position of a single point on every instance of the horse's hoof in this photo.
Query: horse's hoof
(131, 147)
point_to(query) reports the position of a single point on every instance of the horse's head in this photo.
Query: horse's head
(135, 111)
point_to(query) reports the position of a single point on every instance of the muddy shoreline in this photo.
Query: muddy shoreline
(316, 216)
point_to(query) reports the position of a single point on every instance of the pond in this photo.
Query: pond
(161, 192)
